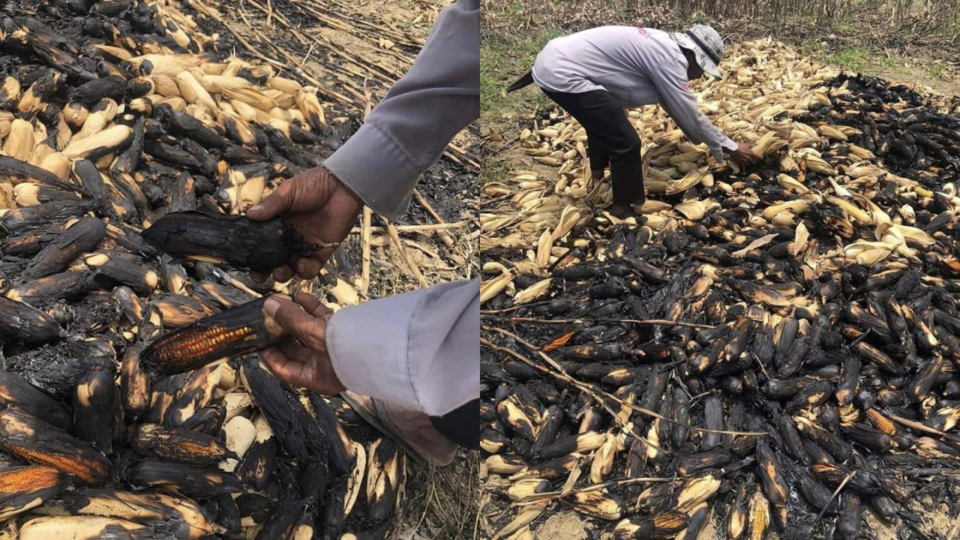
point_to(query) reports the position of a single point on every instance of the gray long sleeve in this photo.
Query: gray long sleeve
(681, 105)
(420, 348)
(408, 131)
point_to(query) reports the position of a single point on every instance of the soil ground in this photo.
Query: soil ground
(355, 39)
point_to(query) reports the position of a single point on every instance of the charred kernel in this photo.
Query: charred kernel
(226, 335)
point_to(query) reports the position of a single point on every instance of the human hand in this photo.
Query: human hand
(320, 208)
(744, 155)
(301, 359)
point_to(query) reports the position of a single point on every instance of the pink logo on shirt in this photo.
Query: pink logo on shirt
(643, 31)
(686, 85)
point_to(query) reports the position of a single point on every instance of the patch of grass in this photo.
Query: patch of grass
(810, 48)
(493, 170)
(850, 58)
(936, 70)
(507, 51)
(889, 62)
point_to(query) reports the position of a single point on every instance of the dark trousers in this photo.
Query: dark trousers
(611, 140)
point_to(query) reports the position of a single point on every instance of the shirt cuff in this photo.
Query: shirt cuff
(368, 349)
(377, 169)
(717, 151)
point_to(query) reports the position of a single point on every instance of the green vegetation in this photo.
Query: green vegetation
(494, 170)
(811, 48)
(507, 51)
(850, 58)
(936, 70)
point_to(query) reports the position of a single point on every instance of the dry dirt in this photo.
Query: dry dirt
(562, 526)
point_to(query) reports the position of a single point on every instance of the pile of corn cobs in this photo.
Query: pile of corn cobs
(802, 380)
(114, 424)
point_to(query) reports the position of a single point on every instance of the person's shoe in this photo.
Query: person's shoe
(408, 426)
(623, 211)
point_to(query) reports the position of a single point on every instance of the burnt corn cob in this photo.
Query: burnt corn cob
(39, 442)
(98, 414)
(283, 521)
(850, 513)
(17, 172)
(187, 479)
(15, 390)
(512, 413)
(526, 487)
(228, 514)
(333, 520)
(23, 488)
(22, 323)
(385, 478)
(774, 485)
(194, 395)
(177, 311)
(187, 518)
(256, 467)
(342, 456)
(597, 504)
(65, 285)
(83, 528)
(225, 239)
(206, 420)
(704, 461)
(759, 516)
(281, 412)
(659, 527)
(81, 237)
(221, 295)
(124, 268)
(134, 384)
(739, 513)
(20, 219)
(163, 392)
(219, 338)
(255, 509)
(179, 444)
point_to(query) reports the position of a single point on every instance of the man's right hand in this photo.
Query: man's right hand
(320, 208)
(302, 358)
(744, 155)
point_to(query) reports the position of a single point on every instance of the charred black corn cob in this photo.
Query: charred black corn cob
(224, 336)
(223, 239)
(98, 414)
(39, 442)
(23, 488)
(179, 444)
(189, 480)
(20, 322)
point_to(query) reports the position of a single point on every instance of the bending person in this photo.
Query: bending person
(594, 74)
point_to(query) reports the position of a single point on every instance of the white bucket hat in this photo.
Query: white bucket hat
(706, 45)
